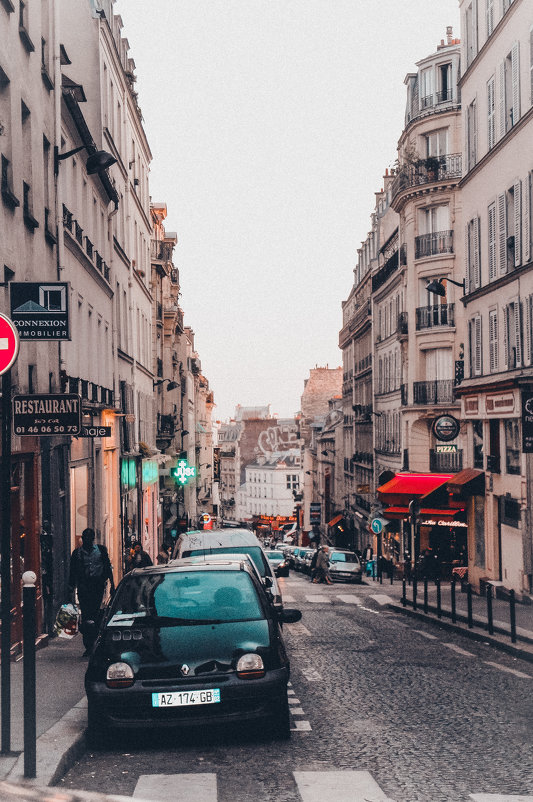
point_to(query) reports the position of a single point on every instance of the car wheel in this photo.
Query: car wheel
(281, 722)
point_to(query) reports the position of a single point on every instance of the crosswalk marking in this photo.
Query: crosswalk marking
(425, 634)
(288, 599)
(342, 786)
(297, 629)
(293, 700)
(311, 675)
(297, 711)
(500, 798)
(318, 599)
(509, 670)
(177, 787)
(349, 599)
(301, 726)
(381, 598)
(458, 649)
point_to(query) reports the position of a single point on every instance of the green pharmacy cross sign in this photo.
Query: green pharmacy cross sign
(183, 472)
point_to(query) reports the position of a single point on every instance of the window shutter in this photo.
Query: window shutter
(474, 29)
(531, 65)
(468, 269)
(492, 241)
(491, 132)
(493, 341)
(490, 17)
(477, 259)
(517, 223)
(501, 99)
(478, 363)
(517, 334)
(526, 220)
(515, 79)
(506, 337)
(502, 235)
(527, 345)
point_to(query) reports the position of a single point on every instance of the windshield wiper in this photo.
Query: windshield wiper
(163, 620)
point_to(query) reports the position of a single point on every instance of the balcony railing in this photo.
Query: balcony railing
(425, 105)
(404, 395)
(447, 462)
(433, 244)
(439, 391)
(426, 171)
(398, 258)
(427, 317)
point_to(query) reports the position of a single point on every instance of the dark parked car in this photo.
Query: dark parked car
(278, 562)
(189, 644)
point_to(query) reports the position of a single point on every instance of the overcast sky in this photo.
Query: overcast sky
(271, 123)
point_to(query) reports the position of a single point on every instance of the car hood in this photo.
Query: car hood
(338, 566)
(157, 652)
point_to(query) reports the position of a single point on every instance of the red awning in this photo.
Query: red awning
(402, 513)
(406, 486)
(335, 520)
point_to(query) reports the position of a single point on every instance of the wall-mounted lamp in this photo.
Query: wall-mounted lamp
(437, 287)
(170, 386)
(310, 472)
(326, 452)
(98, 161)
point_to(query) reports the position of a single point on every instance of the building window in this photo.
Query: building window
(509, 90)
(292, 482)
(512, 339)
(471, 134)
(471, 32)
(512, 446)
(477, 431)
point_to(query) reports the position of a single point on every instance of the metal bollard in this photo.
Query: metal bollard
(415, 588)
(469, 605)
(30, 726)
(512, 611)
(490, 624)
(439, 606)
(425, 594)
(404, 592)
(454, 611)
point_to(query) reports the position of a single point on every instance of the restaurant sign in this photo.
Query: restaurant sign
(47, 414)
(527, 422)
(446, 428)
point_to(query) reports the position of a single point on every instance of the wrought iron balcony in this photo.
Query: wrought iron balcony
(433, 244)
(166, 425)
(439, 391)
(493, 463)
(427, 317)
(427, 171)
(448, 462)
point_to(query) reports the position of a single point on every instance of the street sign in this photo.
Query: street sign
(95, 431)
(315, 514)
(40, 309)
(183, 472)
(377, 526)
(47, 414)
(9, 343)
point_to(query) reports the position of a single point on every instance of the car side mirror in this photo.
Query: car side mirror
(290, 616)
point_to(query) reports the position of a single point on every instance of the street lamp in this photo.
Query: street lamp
(437, 287)
(96, 162)
(172, 385)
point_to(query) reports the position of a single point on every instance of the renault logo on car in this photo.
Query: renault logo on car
(185, 669)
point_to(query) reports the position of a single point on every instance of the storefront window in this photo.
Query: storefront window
(478, 443)
(512, 447)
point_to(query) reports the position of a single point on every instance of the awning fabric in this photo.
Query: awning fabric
(335, 520)
(469, 482)
(395, 513)
(406, 486)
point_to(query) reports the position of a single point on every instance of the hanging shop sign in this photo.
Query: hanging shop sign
(40, 310)
(47, 414)
(183, 472)
(315, 514)
(449, 449)
(527, 422)
(446, 428)
(95, 431)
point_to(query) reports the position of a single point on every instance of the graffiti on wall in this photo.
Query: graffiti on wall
(278, 438)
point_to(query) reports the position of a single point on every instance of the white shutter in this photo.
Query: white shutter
(515, 79)
(468, 267)
(477, 355)
(492, 242)
(493, 341)
(526, 220)
(517, 223)
(502, 235)
(490, 17)
(501, 100)
(531, 65)
(527, 344)
(517, 334)
(491, 122)
(506, 337)
(477, 260)
(474, 28)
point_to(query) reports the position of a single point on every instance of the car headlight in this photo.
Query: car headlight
(250, 666)
(119, 675)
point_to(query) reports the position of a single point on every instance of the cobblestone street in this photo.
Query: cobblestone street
(382, 707)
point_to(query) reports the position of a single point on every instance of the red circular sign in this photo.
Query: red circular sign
(9, 343)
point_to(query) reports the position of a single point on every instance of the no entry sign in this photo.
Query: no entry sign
(9, 343)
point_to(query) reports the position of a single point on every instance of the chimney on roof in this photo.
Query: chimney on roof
(449, 34)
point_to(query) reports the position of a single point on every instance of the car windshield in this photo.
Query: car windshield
(343, 557)
(255, 552)
(187, 597)
(275, 556)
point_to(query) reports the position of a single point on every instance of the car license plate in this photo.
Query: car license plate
(186, 698)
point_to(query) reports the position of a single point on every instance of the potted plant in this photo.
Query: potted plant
(432, 165)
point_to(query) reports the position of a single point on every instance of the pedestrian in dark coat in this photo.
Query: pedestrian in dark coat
(139, 559)
(90, 570)
(322, 568)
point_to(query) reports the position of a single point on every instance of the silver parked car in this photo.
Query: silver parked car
(344, 566)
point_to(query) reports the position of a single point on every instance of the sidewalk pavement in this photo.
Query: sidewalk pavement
(60, 670)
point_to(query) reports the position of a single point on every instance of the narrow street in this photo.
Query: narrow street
(383, 707)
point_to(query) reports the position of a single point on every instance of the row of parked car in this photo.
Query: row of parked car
(344, 565)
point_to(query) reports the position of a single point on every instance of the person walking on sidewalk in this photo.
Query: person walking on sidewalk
(322, 568)
(90, 569)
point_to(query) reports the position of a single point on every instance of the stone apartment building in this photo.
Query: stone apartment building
(496, 188)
